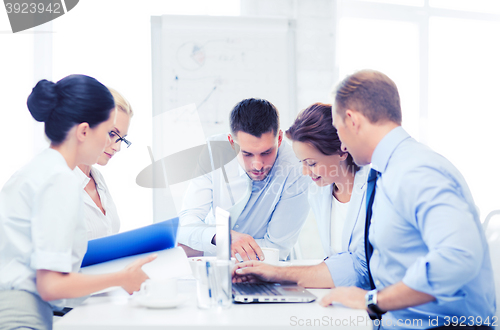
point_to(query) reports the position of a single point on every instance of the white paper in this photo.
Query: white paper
(170, 263)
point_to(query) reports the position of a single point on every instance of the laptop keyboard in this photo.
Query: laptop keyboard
(256, 289)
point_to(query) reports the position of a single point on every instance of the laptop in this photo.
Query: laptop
(271, 293)
(262, 292)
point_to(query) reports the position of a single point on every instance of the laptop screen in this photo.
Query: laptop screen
(223, 234)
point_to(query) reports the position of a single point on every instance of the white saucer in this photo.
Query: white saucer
(153, 302)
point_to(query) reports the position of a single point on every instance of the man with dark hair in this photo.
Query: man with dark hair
(262, 188)
(425, 256)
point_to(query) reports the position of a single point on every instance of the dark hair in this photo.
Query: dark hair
(255, 117)
(371, 93)
(72, 100)
(313, 126)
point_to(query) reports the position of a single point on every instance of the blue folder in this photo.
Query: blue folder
(155, 237)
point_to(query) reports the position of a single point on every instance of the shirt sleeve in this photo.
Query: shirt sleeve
(193, 231)
(349, 268)
(288, 217)
(55, 215)
(444, 218)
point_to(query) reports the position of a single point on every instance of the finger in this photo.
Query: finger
(256, 249)
(241, 252)
(233, 271)
(143, 261)
(243, 279)
(250, 263)
(245, 271)
(250, 253)
(327, 300)
(140, 262)
(239, 265)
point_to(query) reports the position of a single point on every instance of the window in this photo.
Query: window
(444, 57)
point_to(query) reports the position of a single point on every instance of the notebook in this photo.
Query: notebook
(263, 292)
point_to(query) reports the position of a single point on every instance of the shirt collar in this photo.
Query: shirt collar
(241, 171)
(386, 147)
(84, 180)
(99, 180)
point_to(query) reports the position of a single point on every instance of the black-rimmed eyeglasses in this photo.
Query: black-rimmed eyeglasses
(112, 136)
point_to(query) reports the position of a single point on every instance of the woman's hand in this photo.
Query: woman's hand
(255, 271)
(134, 276)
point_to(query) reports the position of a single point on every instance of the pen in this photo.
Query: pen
(212, 280)
(207, 267)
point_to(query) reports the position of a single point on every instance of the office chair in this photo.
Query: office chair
(491, 227)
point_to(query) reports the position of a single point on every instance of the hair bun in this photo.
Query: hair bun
(43, 100)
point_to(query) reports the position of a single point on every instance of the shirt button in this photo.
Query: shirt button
(377, 282)
(237, 226)
(375, 252)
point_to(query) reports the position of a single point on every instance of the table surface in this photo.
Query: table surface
(117, 310)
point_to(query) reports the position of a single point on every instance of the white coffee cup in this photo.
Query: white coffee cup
(271, 255)
(164, 289)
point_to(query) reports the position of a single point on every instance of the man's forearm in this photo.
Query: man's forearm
(317, 276)
(400, 296)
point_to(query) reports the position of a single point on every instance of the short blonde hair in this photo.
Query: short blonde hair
(121, 102)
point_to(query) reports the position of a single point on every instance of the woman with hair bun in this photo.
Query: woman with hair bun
(338, 198)
(100, 212)
(42, 233)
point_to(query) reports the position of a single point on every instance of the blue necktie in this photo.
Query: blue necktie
(370, 196)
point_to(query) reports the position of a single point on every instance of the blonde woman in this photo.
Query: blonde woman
(42, 232)
(100, 212)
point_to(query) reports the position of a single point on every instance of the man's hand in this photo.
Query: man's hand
(255, 271)
(245, 246)
(352, 297)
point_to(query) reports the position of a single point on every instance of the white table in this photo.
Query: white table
(117, 310)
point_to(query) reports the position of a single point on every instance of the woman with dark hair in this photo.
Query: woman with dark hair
(42, 232)
(337, 200)
(338, 197)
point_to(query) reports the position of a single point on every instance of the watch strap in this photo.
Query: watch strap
(371, 304)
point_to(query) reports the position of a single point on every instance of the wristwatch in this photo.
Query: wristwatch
(371, 303)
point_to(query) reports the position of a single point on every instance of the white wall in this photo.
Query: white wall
(111, 41)
(315, 68)
(445, 62)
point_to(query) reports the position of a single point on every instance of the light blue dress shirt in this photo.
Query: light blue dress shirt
(426, 232)
(273, 212)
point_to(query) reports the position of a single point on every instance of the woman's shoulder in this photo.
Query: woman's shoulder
(46, 164)
(48, 168)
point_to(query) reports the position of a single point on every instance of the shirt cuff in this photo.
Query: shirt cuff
(55, 261)
(206, 237)
(416, 278)
(342, 270)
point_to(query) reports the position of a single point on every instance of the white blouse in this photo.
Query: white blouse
(337, 221)
(41, 223)
(98, 224)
